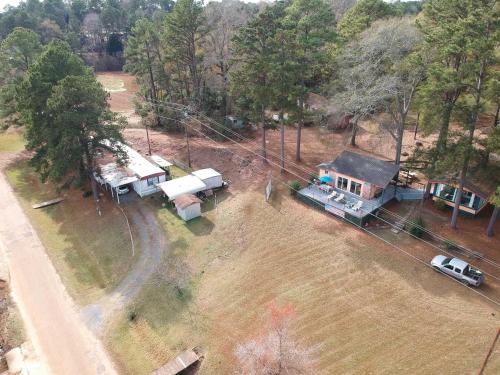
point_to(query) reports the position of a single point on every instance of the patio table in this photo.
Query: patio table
(326, 188)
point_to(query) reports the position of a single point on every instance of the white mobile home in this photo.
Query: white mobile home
(140, 173)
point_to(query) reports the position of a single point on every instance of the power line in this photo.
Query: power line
(309, 171)
(305, 169)
(180, 107)
(428, 231)
(373, 234)
(428, 243)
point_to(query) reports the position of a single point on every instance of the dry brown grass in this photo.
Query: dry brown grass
(362, 307)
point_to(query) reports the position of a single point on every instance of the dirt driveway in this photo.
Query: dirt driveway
(60, 338)
(143, 220)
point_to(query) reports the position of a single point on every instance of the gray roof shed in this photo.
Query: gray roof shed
(362, 167)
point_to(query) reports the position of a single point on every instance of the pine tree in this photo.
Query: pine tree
(183, 31)
(310, 23)
(66, 115)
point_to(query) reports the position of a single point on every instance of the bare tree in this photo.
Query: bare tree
(379, 74)
(275, 352)
(340, 7)
(223, 20)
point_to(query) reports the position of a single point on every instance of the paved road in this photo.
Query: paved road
(153, 244)
(59, 336)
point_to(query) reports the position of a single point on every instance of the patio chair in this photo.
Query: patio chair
(340, 197)
(358, 206)
(332, 195)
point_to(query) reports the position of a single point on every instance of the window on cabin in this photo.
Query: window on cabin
(153, 180)
(448, 192)
(342, 183)
(466, 197)
(355, 188)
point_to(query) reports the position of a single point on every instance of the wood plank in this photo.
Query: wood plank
(48, 203)
(179, 363)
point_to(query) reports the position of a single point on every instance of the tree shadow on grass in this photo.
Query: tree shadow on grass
(94, 249)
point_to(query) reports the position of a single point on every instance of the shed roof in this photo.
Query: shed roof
(183, 185)
(203, 174)
(186, 200)
(160, 161)
(179, 363)
(362, 167)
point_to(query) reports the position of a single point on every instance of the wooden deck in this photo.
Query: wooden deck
(179, 363)
(341, 208)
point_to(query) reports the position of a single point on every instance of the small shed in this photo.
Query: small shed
(234, 122)
(210, 177)
(183, 185)
(188, 206)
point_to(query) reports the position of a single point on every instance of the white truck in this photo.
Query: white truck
(458, 269)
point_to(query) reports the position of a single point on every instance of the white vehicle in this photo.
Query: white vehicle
(124, 189)
(458, 269)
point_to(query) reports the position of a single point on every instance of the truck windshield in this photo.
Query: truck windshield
(446, 261)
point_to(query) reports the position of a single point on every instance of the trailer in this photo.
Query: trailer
(210, 177)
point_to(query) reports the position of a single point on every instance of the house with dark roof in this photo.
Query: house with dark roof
(360, 175)
(354, 186)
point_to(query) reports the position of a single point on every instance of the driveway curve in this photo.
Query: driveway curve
(144, 223)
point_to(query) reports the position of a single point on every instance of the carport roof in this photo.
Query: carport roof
(183, 185)
(114, 176)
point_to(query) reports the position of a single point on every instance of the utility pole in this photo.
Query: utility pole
(187, 144)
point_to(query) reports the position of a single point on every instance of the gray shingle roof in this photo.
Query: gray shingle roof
(362, 167)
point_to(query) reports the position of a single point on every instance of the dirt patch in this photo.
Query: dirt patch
(122, 88)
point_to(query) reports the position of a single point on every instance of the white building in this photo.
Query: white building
(183, 185)
(140, 173)
(188, 206)
(210, 177)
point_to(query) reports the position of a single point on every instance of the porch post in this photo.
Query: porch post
(472, 197)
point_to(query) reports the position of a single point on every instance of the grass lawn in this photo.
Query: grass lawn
(111, 84)
(91, 253)
(11, 141)
(360, 306)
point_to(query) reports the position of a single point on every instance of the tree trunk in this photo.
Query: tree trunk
(495, 124)
(154, 95)
(187, 145)
(354, 132)
(416, 126)
(299, 128)
(427, 192)
(493, 220)
(443, 132)
(399, 141)
(282, 141)
(472, 128)
(263, 121)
